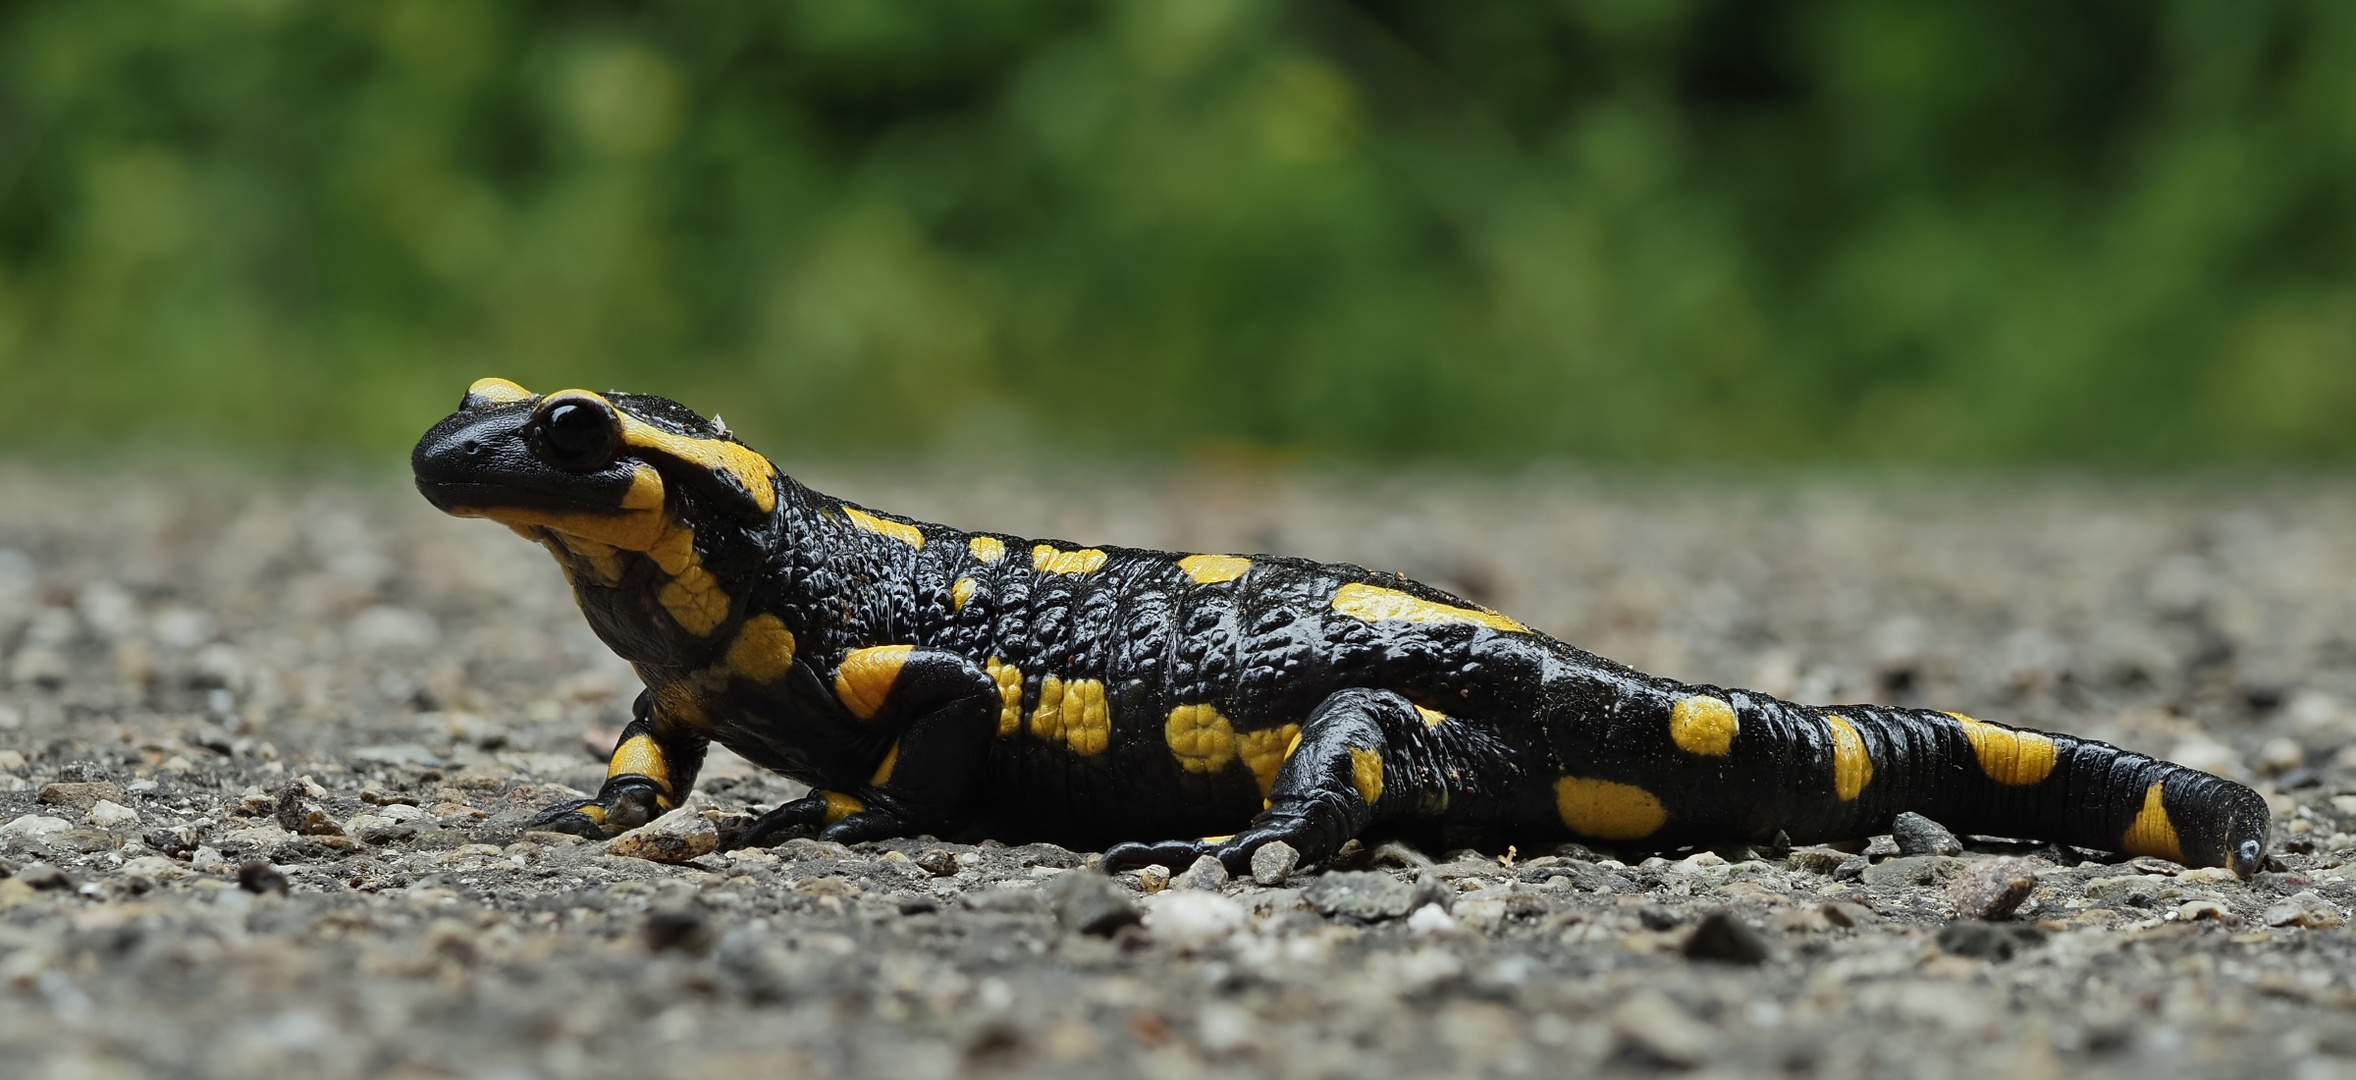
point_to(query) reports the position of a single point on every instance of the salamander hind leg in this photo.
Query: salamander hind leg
(1338, 778)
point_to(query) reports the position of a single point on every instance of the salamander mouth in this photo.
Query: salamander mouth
(473, 498)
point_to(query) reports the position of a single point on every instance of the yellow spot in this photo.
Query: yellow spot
(1703, 725)
(2152, 833)
(883, 772)
(679, 701)
(1376, 604)
(602, 560)
(1432, 718)
(695, 600)
(1010, 696)
(988, 549)
(840, 806)
(1213, 569)
(592, 811)
(1366, 774)
(1047, 560)
(1201, 738)
(1607, 810)
(1264, 751)
(960, 593)
(866, 677)
(1074, 712)
(636, 524)
(720, 455)
(640, 756)
(1852, 767)
(2009, 757)
(897, 530)
(488, 392)
(763, 650)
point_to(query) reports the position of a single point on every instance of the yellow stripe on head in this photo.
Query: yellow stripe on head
(485, 393)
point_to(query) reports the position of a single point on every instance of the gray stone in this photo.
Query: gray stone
(1087, 902)
(1274, 862)
(1912, 870)
(1362, 895)
(1725, 939)
(81, 795)
(1992, 888)
(1987, 940)
(676, 837)
(1207, 874)
(1881, 847)
(1919, 835)
(298, 813)
(1650, 1026)
(1816, 859)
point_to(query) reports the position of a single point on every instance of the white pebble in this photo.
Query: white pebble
(36, 827)
(1429, 919)
(108, 814)
(1191, 919)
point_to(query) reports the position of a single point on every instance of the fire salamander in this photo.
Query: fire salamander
(924, 679)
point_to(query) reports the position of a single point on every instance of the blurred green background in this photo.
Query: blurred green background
(1941, 230)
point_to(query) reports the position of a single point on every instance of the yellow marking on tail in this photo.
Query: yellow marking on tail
(960, 593)
(1704, 725)
(1047, 560)
(2008, 756)
(1852, 767)
(1214, 569)
(1608, 810)
(1074, 712)
(897, 530)
(866, 677)
(1201, 737)
(763, 650)
(1376, 604)
(2152, 833)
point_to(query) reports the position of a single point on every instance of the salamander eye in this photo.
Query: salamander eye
(577, 435)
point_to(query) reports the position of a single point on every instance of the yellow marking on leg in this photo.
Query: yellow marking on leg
(485, 393)
(1046, 559)
(883, 772)
(1375, 604)
(1432, 718)
(1201, 738)
(988, 549)
(2152, 833)
(897, 530)
(1214, 569)
(640, 755)
(960, 593)
(1852, 767)
(840, 806)
(1264, 751)
(2008, 756)
(763, 650)
(1366, 774)
(1703, 725)
(680, 701)
(866, 677)
(1608, 810)
(1010, 695)
(592, 811)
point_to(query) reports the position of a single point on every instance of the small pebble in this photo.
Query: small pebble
(1431, 919)
(1207, 873)
(1816, 860)
(1651, 1028)
(679, 836)
(1087, 902)
(684, 930)
(1723, 938)
(1992, 888)
(1274, 862)
(257, 876)
(1881, 847)
(1918, 835)
(1847, 915)
(1987, 940)
(80, 794)
(108, 814)
(43, 877)
(2304, 908)
(1154, 878)
(1192, 920)
(1912, 870)
(1656, 917)
(1362, 895)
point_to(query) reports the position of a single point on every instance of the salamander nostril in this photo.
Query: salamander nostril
(471, 446)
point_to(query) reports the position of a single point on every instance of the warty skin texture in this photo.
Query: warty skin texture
(924, 679)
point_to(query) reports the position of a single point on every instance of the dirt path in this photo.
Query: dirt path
(196, 660)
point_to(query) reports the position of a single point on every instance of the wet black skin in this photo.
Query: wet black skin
(1521, 709)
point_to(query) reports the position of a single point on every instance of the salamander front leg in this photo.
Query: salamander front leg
(1334, 782)
(652, 767)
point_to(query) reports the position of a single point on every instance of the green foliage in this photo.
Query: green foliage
(1936, 230)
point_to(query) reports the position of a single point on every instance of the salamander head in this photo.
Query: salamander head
(627, 490)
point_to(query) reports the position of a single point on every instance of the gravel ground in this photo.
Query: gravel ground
(267, 745)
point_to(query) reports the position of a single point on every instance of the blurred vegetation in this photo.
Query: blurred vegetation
(1946, 230)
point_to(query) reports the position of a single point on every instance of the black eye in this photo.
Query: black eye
(578, 435)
